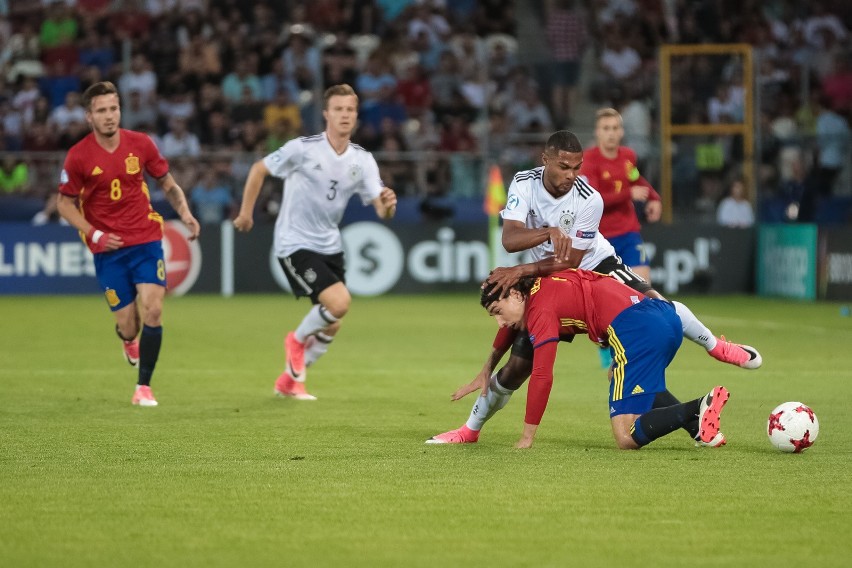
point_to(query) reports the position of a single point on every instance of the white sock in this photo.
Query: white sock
(693, 329)
(318, 318)
(316, 346)
(486, 406)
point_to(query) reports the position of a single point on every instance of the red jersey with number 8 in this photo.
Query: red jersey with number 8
(111, 186)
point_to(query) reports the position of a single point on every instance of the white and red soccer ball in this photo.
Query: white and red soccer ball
(792, 427)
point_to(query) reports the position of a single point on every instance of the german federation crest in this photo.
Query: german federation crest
(355, 172)
(566, 221)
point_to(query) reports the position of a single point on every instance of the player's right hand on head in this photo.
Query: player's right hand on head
(243, 223)
(103, 242)
(504, 278)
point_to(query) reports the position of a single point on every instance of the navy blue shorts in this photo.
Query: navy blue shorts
(630, 248)
(119, 272)
(644, 339)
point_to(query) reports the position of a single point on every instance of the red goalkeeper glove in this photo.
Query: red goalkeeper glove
(102, 242)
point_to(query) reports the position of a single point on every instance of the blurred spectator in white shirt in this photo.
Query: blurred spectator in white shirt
(140, 78)
(135, 113)
(71, 111)
(735, 210)
(179, 141)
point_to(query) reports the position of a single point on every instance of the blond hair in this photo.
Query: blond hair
(342, 90)
(607, 113)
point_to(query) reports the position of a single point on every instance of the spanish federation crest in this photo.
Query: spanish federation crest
(111, 297)
(131, 163)
(566, 221)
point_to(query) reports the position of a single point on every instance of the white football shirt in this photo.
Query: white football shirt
(318, 184)
(578, 213)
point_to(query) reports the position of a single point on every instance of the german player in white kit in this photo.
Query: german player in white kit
(321, 174)
(555, 213)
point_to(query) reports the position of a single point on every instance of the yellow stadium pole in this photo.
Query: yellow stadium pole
(668, 129)
(666, 132)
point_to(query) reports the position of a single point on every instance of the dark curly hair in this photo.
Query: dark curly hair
(488, 295)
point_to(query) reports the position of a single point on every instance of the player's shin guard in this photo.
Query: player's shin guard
(693, 329)
(316, 319)
(149, 352)
(316, 346)
(666, 398)
(658, 422)
(486, 406)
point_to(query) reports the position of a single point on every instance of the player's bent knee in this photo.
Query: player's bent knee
(152, 313)
(626, 443)
(514, 373)
(336, 299)
(153, 318)
(332, 328)
(337, 309)
(621, 432)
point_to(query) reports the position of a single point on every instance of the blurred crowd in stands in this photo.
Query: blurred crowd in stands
(445, 86)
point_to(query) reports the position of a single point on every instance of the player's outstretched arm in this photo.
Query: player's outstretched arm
(251, 190)
(481, 380)
(504, 277)
(177, 200)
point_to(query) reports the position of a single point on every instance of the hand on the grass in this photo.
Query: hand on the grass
(527, 437)
(480, 382)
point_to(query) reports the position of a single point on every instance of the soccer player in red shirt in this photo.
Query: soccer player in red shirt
(611, 169)
(102, 193)
(557, 307)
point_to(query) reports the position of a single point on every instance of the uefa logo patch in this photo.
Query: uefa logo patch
(512, 202)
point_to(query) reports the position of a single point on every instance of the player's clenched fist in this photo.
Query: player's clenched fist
(243, 223)
(103, 242)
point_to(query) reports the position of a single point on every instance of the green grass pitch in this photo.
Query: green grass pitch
(224, 474)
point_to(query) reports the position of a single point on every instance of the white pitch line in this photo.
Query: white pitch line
(105, 372)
